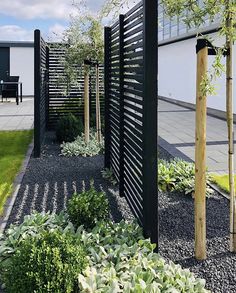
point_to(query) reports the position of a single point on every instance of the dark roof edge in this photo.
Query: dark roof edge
(8, 44)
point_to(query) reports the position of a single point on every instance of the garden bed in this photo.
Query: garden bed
(52, 179)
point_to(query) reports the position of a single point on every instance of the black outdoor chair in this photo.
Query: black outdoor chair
(11, 90)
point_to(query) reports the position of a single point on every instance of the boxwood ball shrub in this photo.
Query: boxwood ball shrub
(87, 208)
(49, 262)
(68, 128)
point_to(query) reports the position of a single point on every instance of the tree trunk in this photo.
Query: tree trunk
(200, 159)
(98, 111)
(229, 107)
(86, 103)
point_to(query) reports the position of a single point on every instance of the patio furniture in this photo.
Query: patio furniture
(10, 88)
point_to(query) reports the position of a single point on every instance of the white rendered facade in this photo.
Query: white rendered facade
(177, 63)
(21, 63)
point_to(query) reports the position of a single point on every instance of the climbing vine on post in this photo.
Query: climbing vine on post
(194, 15)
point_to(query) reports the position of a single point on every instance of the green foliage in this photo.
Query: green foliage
(85, 41)
(32, 225)
(80, 148)
(109, 175)
(112, 257)
(178, 175)
(68, 128)
(113, 7)
(87, 208)
(13, 147)
(49, 262)
(120, 260)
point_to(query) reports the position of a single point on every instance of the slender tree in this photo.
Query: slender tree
(85, 39)
(195, 14)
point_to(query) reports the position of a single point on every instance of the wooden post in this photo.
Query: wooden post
(86, 103)
(200, 154)
(229, 108)
(98, 111)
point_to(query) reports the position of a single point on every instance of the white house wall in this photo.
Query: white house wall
(22, 64)
(177, 74)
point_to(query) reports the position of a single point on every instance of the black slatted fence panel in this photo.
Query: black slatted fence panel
(41, 53)
(131, 110)
(64, 98)
(114, 100)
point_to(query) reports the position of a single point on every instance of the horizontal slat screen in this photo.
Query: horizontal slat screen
(66, 97)
(131, 111)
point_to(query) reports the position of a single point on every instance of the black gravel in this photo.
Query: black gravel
(176, 212)
(177, 234)
(50, 180)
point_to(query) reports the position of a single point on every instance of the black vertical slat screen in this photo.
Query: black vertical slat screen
(131, 110)
(40, 90)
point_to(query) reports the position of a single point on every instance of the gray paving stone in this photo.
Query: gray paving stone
(176, 126)
(16, 117)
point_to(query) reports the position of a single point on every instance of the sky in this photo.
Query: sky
(19, 18)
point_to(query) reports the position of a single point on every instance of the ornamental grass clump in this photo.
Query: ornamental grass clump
(87, 208)
(81, 148)
(178, 175)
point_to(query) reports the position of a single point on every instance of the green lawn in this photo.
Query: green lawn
(222, 181)
(13, 147)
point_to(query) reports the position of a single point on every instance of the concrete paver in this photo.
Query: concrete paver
(17, 117)
(176, 126)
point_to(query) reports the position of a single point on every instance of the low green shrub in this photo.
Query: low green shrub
(87, 208)
(49, 262)
(32, 225)
(178, 175)
(68, 128)
(80, 148)
(112, 257)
